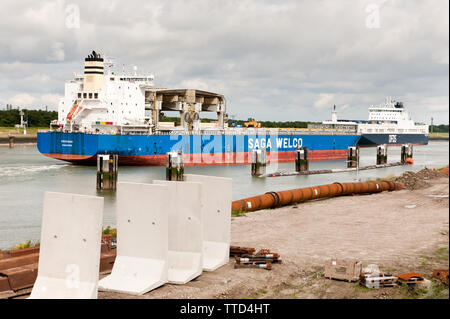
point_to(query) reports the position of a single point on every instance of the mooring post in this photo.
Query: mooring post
(175, 166)
(381, 154)
(301, 159)
(11, 141)
(406, 153)
(353, 156)
(258, 162)
(107, 169)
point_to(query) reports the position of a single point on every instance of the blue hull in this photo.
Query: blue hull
(198, 149)
(392, 139)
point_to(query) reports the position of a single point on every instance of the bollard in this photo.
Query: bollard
(353, 156)
(174, 166)
(301, 159)
(406, 153)
(258, 162)
(381, 154)
(11, 141)
(107, 168)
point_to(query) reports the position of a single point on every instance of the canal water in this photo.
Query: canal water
(25, 175)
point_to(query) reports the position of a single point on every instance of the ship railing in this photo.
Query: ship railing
(258, 131)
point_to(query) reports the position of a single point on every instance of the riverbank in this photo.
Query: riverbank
(19, 137)
(403, 231)
(438, 136)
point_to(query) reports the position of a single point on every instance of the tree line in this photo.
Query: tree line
(41, 118)
(35, 118)
(443, 128)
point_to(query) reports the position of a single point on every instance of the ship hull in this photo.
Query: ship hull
(82, 148)
(368, 140)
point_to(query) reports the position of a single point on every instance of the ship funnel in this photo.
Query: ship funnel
(93, 73)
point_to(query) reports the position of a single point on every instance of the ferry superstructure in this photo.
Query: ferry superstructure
(390, 123)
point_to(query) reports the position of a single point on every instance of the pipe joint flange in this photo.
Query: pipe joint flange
(276, 197)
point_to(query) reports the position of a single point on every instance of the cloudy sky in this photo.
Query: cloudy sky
(273, 60)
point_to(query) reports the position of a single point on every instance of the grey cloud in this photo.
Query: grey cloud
(272, 60)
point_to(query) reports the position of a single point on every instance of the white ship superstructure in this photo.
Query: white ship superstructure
(103, 102)
(391, 118)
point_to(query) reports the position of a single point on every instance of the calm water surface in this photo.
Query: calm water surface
(25, 175)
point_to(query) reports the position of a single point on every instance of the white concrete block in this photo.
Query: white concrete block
(69, 257)
(185, 231)
(142, 239)
(216, 219)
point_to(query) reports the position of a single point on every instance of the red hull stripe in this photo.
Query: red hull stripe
(208, 159)
(70, 157)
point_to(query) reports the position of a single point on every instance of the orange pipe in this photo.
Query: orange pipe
(287, 197)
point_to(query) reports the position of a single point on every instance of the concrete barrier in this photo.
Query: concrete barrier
(216, 219)
(185, 231)
(142, 239)
(70, 247)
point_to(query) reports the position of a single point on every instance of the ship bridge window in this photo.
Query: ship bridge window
(79, 95)
(84, 95)
(90, 95)
(95, 95)
(111, 79)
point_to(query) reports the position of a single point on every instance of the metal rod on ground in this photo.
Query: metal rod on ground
(267, 266)
(258, 162)
(301, 159)
(107, 169)
(175, 166)
(381, 154)
(353, 156)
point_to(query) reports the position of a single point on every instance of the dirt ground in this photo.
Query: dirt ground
(402, 231)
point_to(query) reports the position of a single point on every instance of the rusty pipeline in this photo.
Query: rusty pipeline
(288, 197)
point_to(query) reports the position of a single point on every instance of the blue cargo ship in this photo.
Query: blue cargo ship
(198, 149)
(105, 112)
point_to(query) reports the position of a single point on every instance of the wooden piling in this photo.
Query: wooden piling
(258, 162)
(381, 154)
(107, 169)
(301, 159)
(407, 152)
(11, 141)
(353, 156)
(175, 166)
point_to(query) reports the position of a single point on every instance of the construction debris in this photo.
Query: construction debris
(262, 259)
(18, 268)
(378, 280)
(343, 269)
(411, 278)
(267, 266)
(239, 251)
(413, 181)
(441, 274)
